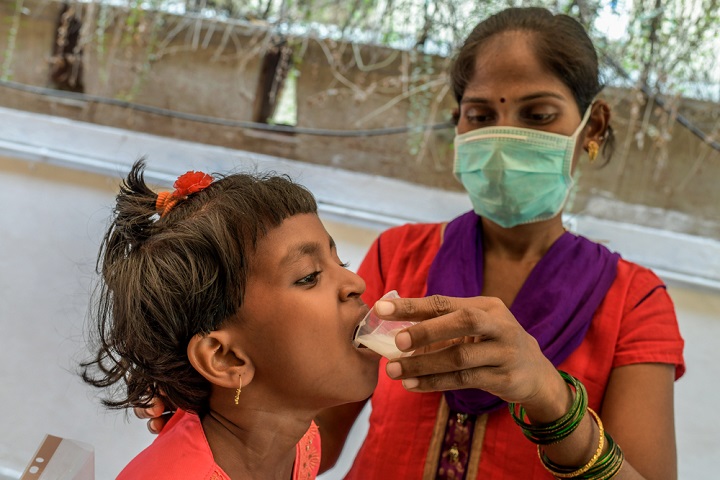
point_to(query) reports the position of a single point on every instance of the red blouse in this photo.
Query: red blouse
(636, 323)
(182, 452)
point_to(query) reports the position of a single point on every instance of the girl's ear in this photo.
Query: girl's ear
(219, 358)
(598, 123)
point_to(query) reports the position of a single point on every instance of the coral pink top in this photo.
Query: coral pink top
(635, 323)
(182, 452)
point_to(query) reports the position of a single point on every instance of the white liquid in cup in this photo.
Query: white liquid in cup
(383, 345)
(379, 335)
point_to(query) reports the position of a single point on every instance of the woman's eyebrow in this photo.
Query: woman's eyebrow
(537, 95)
(474, 100)
(525, 98)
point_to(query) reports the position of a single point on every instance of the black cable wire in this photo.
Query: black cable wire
(222, 121)
(681, 119)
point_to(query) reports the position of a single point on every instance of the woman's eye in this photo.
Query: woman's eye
(345, 264)
(540, 117)
(476, 116)
(309, 279)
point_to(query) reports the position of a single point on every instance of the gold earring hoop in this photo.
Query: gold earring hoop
(593, 150)
(237, 392)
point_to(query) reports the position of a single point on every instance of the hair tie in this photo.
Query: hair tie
(161, 201)
(186, 184)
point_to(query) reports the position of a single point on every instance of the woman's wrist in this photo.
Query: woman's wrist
(557, 422)
(551, 402)
(560, 471)
(574, 444)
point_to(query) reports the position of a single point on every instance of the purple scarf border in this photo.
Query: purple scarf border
(555, 305)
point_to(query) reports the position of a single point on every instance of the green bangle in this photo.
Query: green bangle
(566, 472)
(554, 432)
(605, 468)
(609, 465)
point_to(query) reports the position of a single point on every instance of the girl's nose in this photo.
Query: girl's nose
(352, 285)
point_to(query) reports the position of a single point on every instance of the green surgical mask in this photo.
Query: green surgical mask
(516, 175)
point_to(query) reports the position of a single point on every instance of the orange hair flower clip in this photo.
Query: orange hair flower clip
(186, 184)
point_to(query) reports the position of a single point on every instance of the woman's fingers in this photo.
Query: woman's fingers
(468, 378)
(446, 319)
(418, 309)
(457, 357)
(501, 369)
(468, 321)
(465, 343)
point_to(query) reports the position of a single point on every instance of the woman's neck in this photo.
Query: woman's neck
(253, 443)
(522, 243)
(511, 254)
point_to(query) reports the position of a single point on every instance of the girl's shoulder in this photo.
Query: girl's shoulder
(307, 455)
(181, 451)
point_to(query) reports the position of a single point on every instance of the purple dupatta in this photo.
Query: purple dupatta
(555, 304)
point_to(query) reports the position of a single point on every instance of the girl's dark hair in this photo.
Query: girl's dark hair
(560, 42)
(164, 280)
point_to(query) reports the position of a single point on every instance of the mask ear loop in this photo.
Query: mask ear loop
(584, 121)
(574, 138)
(593, 147)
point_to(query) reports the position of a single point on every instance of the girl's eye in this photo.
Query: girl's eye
(309, 279)
(345, 264)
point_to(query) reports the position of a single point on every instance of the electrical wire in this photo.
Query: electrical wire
(222, 121)
(680, 118)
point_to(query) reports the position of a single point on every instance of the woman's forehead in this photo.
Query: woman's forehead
(507, 65)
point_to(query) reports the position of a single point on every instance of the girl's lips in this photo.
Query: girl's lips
(357, 327)
(355, 333)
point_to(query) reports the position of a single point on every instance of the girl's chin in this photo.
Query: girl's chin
(364, 380)
(365, 390)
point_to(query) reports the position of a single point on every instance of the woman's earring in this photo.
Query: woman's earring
(593, 150)
(237, 392)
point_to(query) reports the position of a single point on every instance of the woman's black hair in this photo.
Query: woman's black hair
(561, 44)
(165, 280)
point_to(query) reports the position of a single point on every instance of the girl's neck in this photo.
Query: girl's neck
(250, 443)
(521, 243)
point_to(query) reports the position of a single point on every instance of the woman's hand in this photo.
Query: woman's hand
(468, 343)
(156, 414)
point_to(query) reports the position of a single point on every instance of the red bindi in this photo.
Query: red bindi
(502, 99)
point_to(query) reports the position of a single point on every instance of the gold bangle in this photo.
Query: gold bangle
(593, 460)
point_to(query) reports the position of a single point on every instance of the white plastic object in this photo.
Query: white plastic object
(61, 459)
(379, 335)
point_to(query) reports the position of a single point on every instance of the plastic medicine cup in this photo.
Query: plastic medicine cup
(379, 335)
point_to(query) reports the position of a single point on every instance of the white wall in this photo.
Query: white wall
(52, 219)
